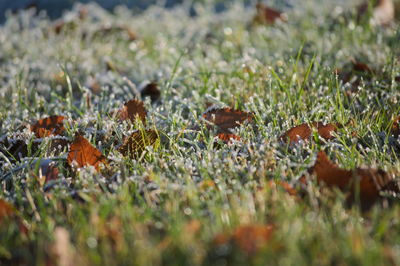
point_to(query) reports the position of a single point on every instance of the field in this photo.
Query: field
(202, 172)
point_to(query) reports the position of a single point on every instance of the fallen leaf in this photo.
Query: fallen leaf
(369, 182)
(132, 110)
(395, 130)
(6, 210)
(382, 12)
(247, 238)
(135, 144)
(227, 138)
(84, 154)
(268, 15)
(227, 118)
(49, 126)
(283, 184)
(304, 131)
(151, 90)
(48, 171)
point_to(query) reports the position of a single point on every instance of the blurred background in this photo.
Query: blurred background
(54, 8)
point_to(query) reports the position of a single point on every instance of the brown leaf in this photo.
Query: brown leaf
(85, 154)
(370, 182)
(49, 170)
(248, 238)
(151, 90)
(268, 15)
(227, 118)
(303, 132)
(135, 144)
(49, 126)
(132, 110)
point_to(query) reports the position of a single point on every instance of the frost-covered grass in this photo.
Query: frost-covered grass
(142, 213)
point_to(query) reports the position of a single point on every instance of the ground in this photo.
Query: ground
(190, 199)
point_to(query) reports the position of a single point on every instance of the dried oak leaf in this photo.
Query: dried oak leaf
(247, 238)
(383, 12)
(304, 131)
(135, 144)
(268, 15)
(151, 90)
(85, 154)
(227, 118)
(367, 182)
(49, 126)
(132, 110)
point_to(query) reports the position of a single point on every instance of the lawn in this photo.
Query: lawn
(169, 138)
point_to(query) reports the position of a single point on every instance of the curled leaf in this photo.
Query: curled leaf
(304, 131)
(135, 144)
(367, 183)
(133, 110)
(84, 154)
(49, 126)
(227, 118)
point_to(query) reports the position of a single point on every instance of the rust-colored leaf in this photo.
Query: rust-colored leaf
(132, 110)
(151, 90)
(247, 238)
(85, 154)
(49, 126)
(135, 144)
(268, 15)
(227, 138)
(227, 118)
(6, 210)
(303, 132)
(368, 183)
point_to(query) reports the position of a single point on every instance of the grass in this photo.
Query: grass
(146, 212)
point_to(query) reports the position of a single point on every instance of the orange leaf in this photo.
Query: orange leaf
(135, 144)
(84, 153)
(370, 182)
(228, 137)
(303, 132)
(132, 110)
(49, 126)
(227, 118)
